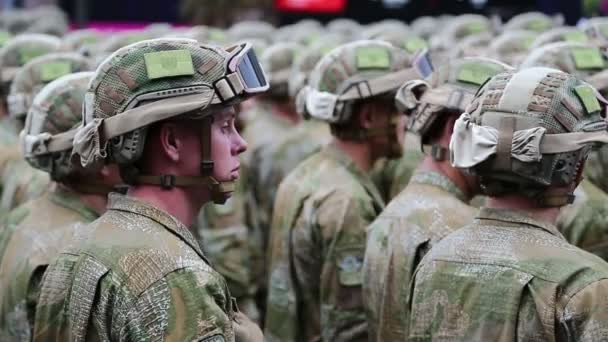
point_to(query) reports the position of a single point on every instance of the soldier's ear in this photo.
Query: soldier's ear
(170, 143)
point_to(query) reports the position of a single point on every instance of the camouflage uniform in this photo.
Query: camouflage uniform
(322, 208)
(35, 232)
(430, 207)
(22, 182)
(137, 273)
(509, 276)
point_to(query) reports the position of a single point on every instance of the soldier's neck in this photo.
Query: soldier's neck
(359, 152)
(522, 203)
(444, 168)
(178, 202)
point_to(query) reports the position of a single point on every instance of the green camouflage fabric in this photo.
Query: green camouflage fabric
(20, 183)
(229, 243)
(512, 47)
(425, 26)
(114, 285)
(585, 222)
(206, 34)
(37, 73)
(345, 27)
(531, 21)
(427, 210)
(595, 169)
(116, 41)
(473, 46)
(5, 36)
(385, 26)
(560, 34)
(403, 39)
(597, 29)
(316, 251)
(392, 175)
(35, 233)
(82, 41)
(454, 31)
(509, 277)
(302, 33)
(22, 49)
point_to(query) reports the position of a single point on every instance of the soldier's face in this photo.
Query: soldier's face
(226, 146)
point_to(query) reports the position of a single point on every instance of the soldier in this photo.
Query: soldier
(20, 181)
(324, 205)
(38, 230)
(583, 223)
(454, 31)
(161, 110)
(532, 21)
(510, 275)
(411, 224)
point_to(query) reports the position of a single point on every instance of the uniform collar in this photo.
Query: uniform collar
(68, 199)
(344, 160)
(518, 217)
(440, 181)
(129, 204)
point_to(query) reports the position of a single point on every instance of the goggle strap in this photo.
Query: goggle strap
(229, 87)
(206, 161)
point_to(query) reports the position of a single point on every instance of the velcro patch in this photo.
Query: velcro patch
(4, 37)
(168, 64)
(217, 36)
(587, 96)
(539, 25)
(53, 70)
(373, 58)
(588, 58)
(476, 73)
(415, 44)
(26, 54)
(576, 37)
(476, 27)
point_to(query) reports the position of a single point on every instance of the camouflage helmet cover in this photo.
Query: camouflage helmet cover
(251, 29)
(55, 111)
(512, 47)
(532, 21)
(450, 88)
(278, 60)
(22, 49)
(352, 72)
(528, 131)
(38, 72)
(152, 80)
(560, 34)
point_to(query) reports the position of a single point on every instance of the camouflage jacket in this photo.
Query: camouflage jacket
(584, 223)
(597, 166)
(316, 254)
(38, 231)
(21, 183)
(509, 277)
(227, 241)
(134, 274)
(429, 208)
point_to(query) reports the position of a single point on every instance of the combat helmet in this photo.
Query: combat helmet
(55, 114)
(560, 34)
(22, 49)
(529, 133)
(251, 29)
(357, 71)
(37, 73)
(277, 61)
(585, 61)
(511, 47)
(532, 21)
(448, 91)
(157, 80)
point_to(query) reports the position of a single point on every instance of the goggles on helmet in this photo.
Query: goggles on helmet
(245, 74)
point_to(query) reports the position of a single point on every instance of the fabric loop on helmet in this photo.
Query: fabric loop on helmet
(473, 144)
(41, 144)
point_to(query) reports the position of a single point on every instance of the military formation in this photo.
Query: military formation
(441, 180)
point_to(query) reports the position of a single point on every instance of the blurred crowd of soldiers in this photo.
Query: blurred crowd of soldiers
(437, 181)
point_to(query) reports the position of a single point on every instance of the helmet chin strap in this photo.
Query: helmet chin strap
(220, 191)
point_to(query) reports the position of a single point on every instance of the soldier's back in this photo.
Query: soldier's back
(427, 210)
(38, 231)
(509, 277)
(136, 273)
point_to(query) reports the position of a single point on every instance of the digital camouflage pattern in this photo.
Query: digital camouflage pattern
(316, 253)
(22, 49)
(20, 183)
(37, 73)
(232, 248)
(509, 277)
(113, 285)
(585, 222)
(428, 209)
(32, 237)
